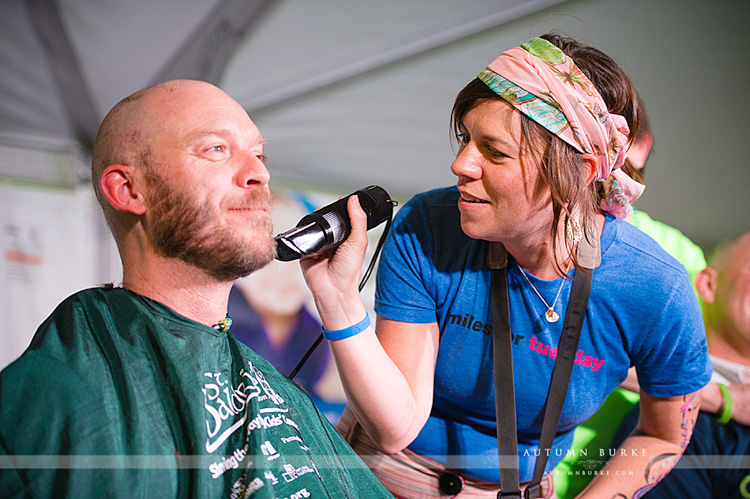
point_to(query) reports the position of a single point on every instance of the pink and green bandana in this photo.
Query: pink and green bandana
(540, 81)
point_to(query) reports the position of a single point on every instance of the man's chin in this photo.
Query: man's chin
(268, 256)
(259, 255)
(233, 259)
(264, 247)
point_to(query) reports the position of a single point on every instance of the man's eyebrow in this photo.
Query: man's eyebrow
(226, 134)
(212, 131)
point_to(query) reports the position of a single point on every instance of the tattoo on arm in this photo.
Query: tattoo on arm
(688, 409)
(660, 466)
(656, 470)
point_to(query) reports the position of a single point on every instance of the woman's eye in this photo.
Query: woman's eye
(462, 138)
(496, 154)
(262, 157)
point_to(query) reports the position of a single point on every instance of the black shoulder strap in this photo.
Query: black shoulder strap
(504, 390)
(505, 397)
(558, 387)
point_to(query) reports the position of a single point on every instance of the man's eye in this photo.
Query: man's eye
(462, 138)
(262, 157)
(217, 148)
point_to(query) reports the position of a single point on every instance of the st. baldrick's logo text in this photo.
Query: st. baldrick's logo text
(226, 404)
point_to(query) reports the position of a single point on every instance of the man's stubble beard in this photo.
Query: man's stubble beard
(184, 229)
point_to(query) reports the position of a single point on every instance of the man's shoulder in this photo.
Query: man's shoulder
(73, 312)
(47, 350)
(71, 316)
(43, 390)
(62, 354)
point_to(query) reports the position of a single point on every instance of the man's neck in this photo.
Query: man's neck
(728, 347)
(182, 287)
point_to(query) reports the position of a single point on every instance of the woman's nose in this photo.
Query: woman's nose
(465, 164)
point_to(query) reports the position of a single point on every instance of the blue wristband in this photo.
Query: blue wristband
(349, 331)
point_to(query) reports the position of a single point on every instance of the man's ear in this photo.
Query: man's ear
(591, 166)
(118, 189)
(640, 150)
(706, 282)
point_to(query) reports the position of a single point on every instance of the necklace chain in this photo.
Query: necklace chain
(550, 314)
(224, 324)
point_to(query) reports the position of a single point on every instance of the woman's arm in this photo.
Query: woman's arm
(652, 449)
(387, 378)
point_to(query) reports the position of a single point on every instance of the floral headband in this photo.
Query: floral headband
(544, 84)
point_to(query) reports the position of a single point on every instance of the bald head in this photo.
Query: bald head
(128, 131)
(125, 133)
(724, 287)
(729, 250)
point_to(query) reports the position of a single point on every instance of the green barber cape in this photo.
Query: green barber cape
(119, 396)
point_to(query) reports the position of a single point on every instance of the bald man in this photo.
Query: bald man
(724, 287)
(141, 390)
(716, 462)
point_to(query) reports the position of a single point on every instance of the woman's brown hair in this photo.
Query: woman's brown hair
(560, 165)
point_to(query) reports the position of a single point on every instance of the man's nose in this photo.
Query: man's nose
(253, 172)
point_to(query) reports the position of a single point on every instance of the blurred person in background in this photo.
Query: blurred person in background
(270, 314)
(716, 460)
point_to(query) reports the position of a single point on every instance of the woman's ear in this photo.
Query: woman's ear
(591, 166)
(706, 282)
(118, 189)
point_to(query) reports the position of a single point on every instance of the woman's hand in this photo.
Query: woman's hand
(334, 278)
(388, 377)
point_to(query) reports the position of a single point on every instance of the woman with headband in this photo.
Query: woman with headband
(525, 267)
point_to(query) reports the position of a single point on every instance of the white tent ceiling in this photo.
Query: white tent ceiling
(351, 93)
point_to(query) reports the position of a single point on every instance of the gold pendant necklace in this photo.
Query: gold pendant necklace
(550, 314)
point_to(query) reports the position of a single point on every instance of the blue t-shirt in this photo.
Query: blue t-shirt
(641, 311)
